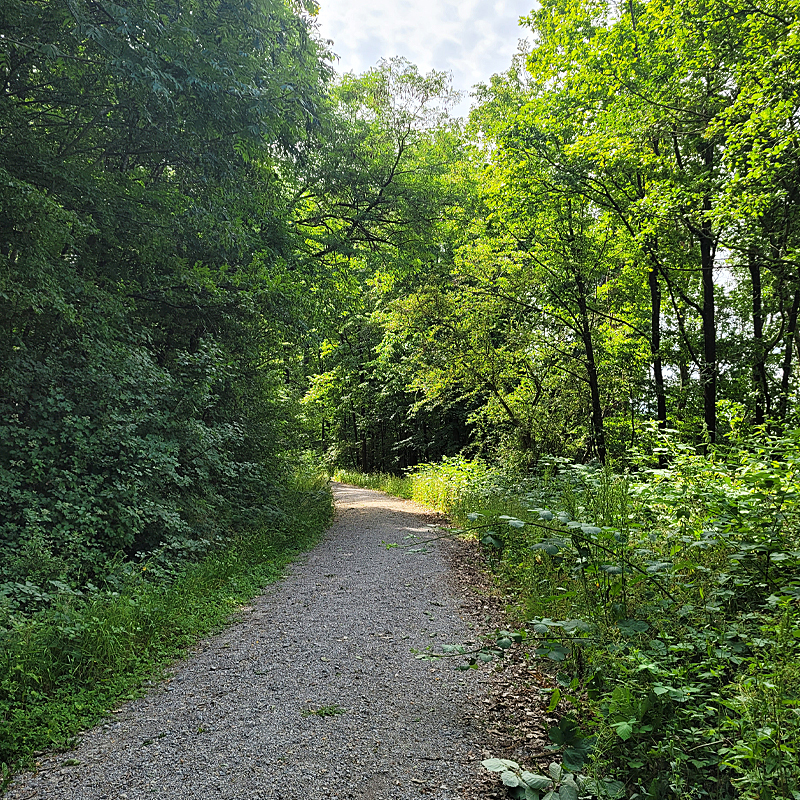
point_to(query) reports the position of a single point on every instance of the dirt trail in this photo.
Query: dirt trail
(334, 637)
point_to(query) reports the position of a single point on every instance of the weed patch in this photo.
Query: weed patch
(379, 481)
(324, 711)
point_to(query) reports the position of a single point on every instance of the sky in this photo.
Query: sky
(471, 39)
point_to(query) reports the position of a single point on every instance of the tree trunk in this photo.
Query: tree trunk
(355, 436)
(598, 437)
(683, 397)
(791, 333)
(759, 356)
(655, 346)
(364, 463)
(708, 365)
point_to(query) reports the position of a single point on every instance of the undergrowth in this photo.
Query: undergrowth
(67, 664)
(668, 602)
(453, 485)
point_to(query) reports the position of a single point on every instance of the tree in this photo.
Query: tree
(139, 283)
(373, 213)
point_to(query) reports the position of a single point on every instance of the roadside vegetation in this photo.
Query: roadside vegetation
(666, 599)
(596, 374)
(395, 485)
(72, 655)
(569, 321)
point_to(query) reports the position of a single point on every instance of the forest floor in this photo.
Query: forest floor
(314, 691)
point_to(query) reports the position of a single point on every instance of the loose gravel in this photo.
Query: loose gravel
(312, 693)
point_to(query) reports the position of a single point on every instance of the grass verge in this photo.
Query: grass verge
(64, 669)
(455, 486)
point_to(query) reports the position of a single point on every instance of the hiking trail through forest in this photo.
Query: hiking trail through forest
(312, 692)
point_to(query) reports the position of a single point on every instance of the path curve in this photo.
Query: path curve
(335, 634)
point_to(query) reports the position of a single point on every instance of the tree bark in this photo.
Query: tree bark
(655, 346)
(598, 437)
(760, 387)
(708, 366)
(683, 397)
(364, 464)
(355, 436)
(786, 376)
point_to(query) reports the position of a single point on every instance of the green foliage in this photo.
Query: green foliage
(454, 484)
(572, 291)
(66, 666)
(381, 481)
(140, 288)
(668, 599)
(561, 782)
(325, 711)
(530, 290)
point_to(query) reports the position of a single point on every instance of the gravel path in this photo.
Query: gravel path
(233, 721)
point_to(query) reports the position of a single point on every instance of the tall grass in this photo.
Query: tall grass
(64, 668)
(456, 486)
(453, 486)
(379, 481)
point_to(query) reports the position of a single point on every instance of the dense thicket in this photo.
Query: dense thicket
(384, 191)
(143, 302)
(213, 255)
(192, 219)
(665, 604)
(615, 282)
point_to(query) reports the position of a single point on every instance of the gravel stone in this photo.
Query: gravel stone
(234, 720)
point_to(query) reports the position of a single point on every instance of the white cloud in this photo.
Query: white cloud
(472, 39)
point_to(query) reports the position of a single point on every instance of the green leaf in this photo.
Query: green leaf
(624, 729)
(613, 788)
(572, 625)
(555, 652)
(536, 781)
(566, 732)
(568, 792)
(591, 530)
(575, 756)
(630, 627)
(510, 779)
(499, 764)
(779, 556)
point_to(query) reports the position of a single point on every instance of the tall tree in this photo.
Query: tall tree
(137, 278)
